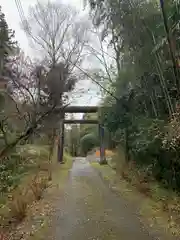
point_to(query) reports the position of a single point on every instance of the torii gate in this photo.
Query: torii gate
(80, 109)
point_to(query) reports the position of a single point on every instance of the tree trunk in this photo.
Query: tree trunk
(126, 133)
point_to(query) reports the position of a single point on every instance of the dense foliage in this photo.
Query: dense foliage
(143, 115)
(7, 43)
(89, 135)
(88, 142)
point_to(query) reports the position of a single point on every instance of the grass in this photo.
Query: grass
(14, 203)
(157, 205)
(29, 204)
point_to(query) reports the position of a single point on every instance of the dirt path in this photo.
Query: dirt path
(88, 210)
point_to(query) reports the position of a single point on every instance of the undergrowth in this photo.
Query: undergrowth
(32, 181)
(167, 200)
(40, 173)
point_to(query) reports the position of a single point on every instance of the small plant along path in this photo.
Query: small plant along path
(88, 209)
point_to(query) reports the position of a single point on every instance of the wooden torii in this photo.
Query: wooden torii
(79, 109)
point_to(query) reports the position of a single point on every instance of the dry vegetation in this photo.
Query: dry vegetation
(31, 189)
(167, 200)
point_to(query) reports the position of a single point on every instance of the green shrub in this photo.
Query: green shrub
(88, 142)
(146, 140)
(155, 147)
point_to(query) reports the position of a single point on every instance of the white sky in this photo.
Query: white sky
(12, 17)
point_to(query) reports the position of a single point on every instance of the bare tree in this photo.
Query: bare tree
(60, 34)
(58, 31)
(27, 111)
(101, 51)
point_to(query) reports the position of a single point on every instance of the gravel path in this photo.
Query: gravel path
(88, 210)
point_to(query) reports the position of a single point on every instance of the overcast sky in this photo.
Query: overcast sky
(12, 17)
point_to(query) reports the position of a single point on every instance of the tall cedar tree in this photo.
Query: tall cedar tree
(7, 44)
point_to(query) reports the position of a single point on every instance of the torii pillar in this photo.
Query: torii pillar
(61, 139)
(102, 145)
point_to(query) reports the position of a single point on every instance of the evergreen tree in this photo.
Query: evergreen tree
(7, 44)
